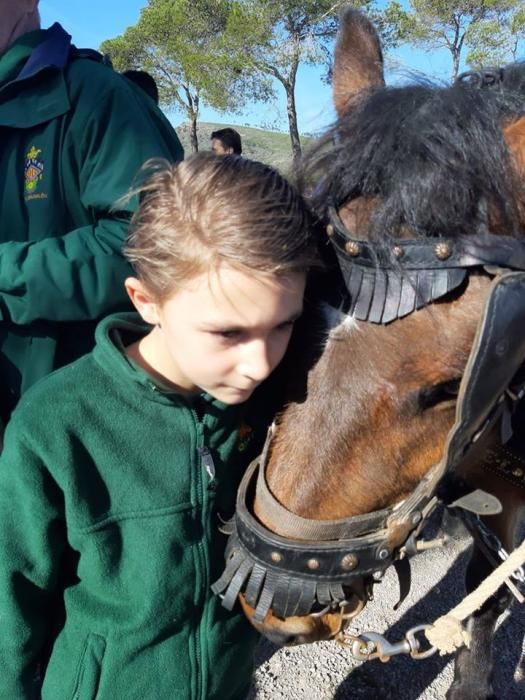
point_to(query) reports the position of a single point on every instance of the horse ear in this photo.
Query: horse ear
(358, 59)
(514, 135)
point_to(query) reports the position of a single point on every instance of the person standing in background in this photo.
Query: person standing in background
(73, 136)
(226, 142)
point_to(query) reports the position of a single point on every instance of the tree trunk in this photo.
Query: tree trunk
(194, 139)
(455, 63)
(456, 49)
(288, 82)
(289, 86)
(292, 125)
(192, 109)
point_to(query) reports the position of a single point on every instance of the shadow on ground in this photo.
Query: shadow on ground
(403, 677)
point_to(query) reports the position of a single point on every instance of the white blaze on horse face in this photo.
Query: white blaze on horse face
(338, 323)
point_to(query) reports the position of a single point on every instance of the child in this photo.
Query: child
(116, 468)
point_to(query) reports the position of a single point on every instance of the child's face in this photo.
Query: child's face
(224, 332)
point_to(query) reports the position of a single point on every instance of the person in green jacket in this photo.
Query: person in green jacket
(118, 469)
(73, 135)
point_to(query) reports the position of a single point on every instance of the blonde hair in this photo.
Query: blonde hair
(211, 209)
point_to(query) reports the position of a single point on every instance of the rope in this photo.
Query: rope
(447, 633)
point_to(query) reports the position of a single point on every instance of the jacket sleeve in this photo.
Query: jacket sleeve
(32, 540)
(78, 276)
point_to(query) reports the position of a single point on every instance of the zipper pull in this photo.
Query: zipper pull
(207, 461)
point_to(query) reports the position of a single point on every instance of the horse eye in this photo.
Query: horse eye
(439, 394)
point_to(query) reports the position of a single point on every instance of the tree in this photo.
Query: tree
(493, 42)
(276, 36)
(184, 45)
(487, 30)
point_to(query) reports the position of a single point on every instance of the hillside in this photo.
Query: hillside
(272, 147)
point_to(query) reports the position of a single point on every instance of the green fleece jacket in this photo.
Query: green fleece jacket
(73, 135)
(111, 495)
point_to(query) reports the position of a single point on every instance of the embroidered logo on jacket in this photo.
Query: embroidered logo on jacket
(244, 437)
(33, 173)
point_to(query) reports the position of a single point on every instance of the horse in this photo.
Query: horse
(407, 374)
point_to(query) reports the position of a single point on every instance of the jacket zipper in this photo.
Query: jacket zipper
(206, 461)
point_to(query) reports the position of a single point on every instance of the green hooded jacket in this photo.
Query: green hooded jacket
(111, 496)
(73, 135)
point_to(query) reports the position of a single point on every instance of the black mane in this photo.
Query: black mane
(434, 157)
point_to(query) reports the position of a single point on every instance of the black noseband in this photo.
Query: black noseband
(292, 576)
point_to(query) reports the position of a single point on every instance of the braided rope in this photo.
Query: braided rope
(447, 633)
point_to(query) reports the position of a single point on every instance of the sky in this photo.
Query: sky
(90, 23)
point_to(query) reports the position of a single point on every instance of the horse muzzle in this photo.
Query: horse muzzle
(328, 623)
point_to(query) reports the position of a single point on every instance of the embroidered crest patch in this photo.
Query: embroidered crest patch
(33, 173)
(244, 438)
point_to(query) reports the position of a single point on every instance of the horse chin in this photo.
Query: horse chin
(306, 629)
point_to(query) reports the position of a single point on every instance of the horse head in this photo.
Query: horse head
(420, 188)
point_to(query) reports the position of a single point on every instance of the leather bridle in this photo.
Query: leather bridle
(314, 564)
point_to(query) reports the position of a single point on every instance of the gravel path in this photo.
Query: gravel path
(326, 671)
